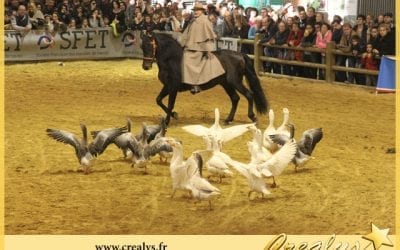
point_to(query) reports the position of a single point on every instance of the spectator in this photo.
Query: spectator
(344, 46)
(251, 17)
(337, 31)
(319, 18)
(7, 20)
(106, 9)
(116, 14)
(20, 21)
(388, 20)
(302, 20)
(177, 21)
(72, 25)
(361, 28)
(148, 24)
(289, 22)
(138, 21)
(217, 24)
(308, 40)
(368, 61)
(357, 48)
(294, 40)
(85, 23)
(280, 38)
(311, 15)
(386, 44)
(380, 20)
(64, 14)
(241, 30)
(256, 28)
(49, 7)
(228, 25)
(369, 21)
(337, 18)
(78, 16)
(373, 37)
(263, 12)
(323, 38)
(58, 26)
(96, 20)
(36, 16)
(157, 23)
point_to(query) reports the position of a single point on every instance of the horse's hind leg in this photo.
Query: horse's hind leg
(249, 96)
(234, 99)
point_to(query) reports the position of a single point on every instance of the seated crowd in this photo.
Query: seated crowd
(364, 42)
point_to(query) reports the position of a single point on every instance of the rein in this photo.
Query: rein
(154, 46)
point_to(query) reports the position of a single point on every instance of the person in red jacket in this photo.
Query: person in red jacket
(369, 61)
(294, 40)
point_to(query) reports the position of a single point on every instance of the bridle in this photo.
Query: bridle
(154, 47)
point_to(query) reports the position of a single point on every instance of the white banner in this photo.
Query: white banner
(80, 44)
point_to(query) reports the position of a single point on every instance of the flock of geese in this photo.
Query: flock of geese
(270, 152)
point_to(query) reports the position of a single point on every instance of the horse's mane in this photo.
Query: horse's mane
(169, 46)
(169, 60)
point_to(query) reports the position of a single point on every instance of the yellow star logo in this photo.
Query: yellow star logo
(378, 237)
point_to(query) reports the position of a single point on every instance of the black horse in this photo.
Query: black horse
(168, 53)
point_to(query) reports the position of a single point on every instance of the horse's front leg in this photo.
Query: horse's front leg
(160, 97)
(171, 105)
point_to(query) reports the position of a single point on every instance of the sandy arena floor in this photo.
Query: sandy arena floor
(350, 183)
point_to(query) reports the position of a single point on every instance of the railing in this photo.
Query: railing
(329, 66)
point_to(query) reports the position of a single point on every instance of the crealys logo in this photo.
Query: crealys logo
(374, 241)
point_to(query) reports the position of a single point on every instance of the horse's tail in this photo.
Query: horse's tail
(258, 94)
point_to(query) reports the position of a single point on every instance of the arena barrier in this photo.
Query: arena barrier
(100, 43)
(329, 66)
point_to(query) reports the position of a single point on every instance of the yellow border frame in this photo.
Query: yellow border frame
(180, 241)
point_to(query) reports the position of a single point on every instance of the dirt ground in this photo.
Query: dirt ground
(349, 184)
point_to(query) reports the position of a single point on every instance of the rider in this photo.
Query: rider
(198, 40)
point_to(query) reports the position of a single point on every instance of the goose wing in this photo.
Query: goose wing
(235, 131)
(309, 140)
(278, 161)
(198, 130)
(67, 138)
(123, 140)
(279, 139)
(157, 146)
(242, 168)
(202, 184)
(104, 138)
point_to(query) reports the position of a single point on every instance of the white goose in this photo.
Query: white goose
(283, 129)
(200, 187)
(179, 168)
(187, 175)
(270, 130)
(258, 153)
(254, 172)
(216, 164)
(216, 131)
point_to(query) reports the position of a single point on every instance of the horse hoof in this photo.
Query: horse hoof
(175, 115)
(227, 122)
(253, 119)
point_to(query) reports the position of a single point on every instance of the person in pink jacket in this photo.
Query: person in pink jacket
(324, 36)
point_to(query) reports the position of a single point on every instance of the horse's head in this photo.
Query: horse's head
(149, 48)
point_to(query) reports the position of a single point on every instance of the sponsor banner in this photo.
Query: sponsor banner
(80, 44)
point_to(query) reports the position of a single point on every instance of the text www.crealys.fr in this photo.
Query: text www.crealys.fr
(143, 246)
